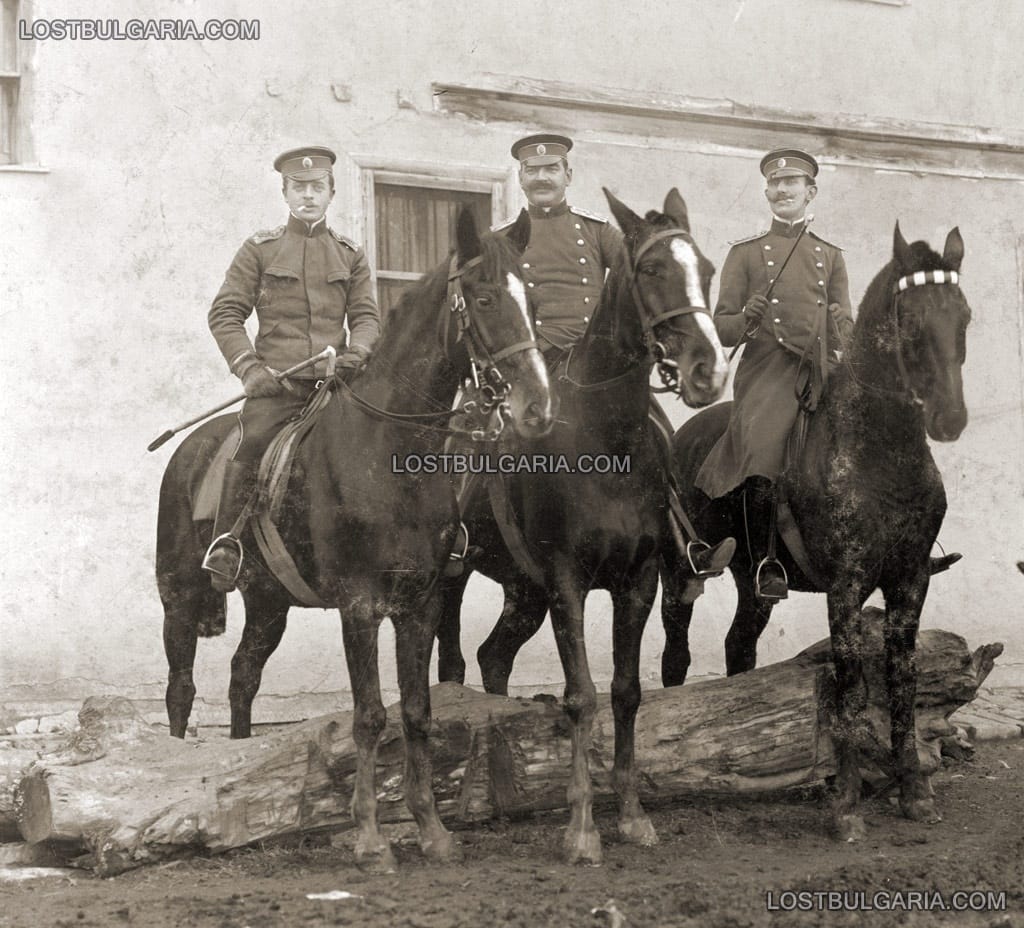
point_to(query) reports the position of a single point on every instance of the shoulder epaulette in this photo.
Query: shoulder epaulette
(347, 242)
(504, 224)
(815, 235)
(268, 235)
(586, 214)
(749, 238)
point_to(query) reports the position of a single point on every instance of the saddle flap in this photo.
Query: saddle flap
(204, 504)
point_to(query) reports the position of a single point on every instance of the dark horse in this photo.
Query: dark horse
(368, 540)
(584, 531)
(867, 498)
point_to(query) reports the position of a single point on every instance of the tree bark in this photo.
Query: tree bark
(127, 794)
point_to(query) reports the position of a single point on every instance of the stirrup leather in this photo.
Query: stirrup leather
(226, 538)
(773, 562)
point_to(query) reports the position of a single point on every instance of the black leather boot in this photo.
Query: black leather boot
(709, 561)
(223, 559)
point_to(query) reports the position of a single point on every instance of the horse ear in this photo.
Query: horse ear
(900, 248)
(675, 209)
(628, 221)
(953, 253)
(519, 234)
(466, 236)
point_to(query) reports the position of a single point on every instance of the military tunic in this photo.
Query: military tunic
(765, 405)
(564, 268)
(304, 284)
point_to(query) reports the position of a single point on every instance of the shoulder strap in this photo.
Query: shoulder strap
(586, 214)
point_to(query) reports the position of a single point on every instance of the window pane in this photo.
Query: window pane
(416, 225)
(8, 104)
(9, 36)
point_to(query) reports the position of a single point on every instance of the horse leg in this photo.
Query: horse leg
(751, 618)
(632, 605)
(451, 665)
(266, 616)
(360, 624)
(676, 613)
(523, 613)
(582, 842)
(180, 637)
(903, 601)
(850, 731)
(414, 635)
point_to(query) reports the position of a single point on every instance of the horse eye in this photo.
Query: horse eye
(651, 270)
(484, 301)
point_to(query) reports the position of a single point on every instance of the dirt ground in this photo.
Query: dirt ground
(717, 862)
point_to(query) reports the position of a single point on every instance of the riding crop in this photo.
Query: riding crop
(324, 355)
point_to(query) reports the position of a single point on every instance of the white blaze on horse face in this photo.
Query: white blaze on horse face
(684, 253)
(518, 293)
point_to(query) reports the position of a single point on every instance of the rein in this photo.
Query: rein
(667, 368)
(488, 381)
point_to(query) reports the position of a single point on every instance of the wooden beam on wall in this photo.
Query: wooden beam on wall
(840, 138)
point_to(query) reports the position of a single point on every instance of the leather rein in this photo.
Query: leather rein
(655, 350)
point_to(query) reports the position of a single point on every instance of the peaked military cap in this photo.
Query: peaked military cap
(788, 162)
(541, 149)
(309, 163)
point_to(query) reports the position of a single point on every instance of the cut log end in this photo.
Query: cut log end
(35, 814)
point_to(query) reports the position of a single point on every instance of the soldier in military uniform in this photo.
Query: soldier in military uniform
(781, 315)
(305, 281)
(570, 248)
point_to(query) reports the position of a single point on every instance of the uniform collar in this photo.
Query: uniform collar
(787, 229)
(538, 212)
(303, 228)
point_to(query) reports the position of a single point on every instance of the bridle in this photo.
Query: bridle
(488, 390)
(899, 290)
(668, 370)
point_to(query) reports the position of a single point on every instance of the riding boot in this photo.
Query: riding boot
(770, 581)
(938, 564)
(223, 559)
(709, 561)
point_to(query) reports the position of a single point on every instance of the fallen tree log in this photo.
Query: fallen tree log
(127, 794)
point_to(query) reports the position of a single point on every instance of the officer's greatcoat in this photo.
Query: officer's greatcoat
(765, 403)
(304, 284)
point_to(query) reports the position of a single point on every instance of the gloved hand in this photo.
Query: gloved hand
(347, 364)
(755, 308)
(258, 380)
(835, 311)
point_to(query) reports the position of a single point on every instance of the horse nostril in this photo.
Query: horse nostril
(700, 375)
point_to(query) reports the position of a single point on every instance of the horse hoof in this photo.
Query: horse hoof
(850, 828)
(584, 848)
(377, 860)
(442, 850)
(920, 810)
(638, 831)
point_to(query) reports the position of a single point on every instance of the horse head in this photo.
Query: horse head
(671, 282)
(486, 289)
(931, 322)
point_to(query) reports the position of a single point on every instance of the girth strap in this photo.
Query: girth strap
(511, 534)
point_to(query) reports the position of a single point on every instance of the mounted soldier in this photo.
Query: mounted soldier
(570, 253)
(305, 282)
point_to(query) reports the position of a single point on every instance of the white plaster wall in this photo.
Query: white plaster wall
(159, 165)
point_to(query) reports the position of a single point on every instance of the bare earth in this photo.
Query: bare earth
(717, 861)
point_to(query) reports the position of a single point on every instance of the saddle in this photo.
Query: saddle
(271, 484)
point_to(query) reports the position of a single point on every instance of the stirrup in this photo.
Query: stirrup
(457, 559)
(770, 597)
(226, 539)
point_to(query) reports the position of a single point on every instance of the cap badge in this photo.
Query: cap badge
(307, 162)
(782, 162)
(542, 149)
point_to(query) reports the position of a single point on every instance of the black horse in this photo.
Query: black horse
(583, 531)
(867, 499)
(366, 539)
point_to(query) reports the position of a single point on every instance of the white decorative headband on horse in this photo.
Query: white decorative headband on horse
(312, 162)
(535, 150)
(927, 277)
